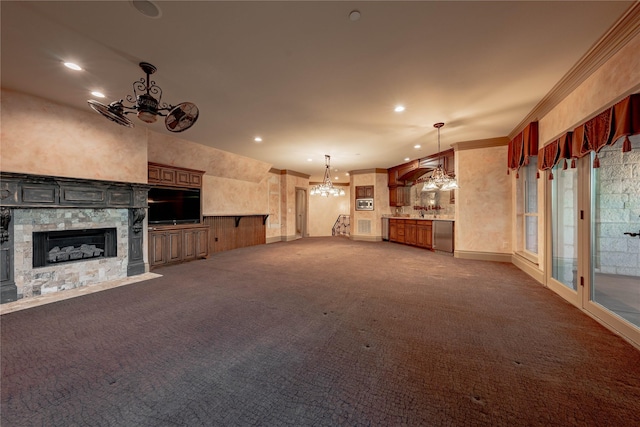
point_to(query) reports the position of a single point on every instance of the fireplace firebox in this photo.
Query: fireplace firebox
(55, 247)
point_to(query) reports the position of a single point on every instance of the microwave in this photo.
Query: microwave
(364, 204)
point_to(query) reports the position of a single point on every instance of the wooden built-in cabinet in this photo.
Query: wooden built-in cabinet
(172, 176)
(173, 244)
(399, 196)
(401, 177)
(170, 244)
(364, 192)
(411, 232)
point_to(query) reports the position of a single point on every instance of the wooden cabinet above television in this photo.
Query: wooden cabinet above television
(173, 176)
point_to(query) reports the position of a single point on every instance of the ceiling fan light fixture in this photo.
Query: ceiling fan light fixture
(147, 106)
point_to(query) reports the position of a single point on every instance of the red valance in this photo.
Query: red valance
(522, 147)
(607, 127)
(551, 154)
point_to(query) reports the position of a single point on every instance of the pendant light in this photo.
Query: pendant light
(326, 189)
(440, 180)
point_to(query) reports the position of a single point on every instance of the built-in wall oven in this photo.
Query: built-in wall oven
(364, 204)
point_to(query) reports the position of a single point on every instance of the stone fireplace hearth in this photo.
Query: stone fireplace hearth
(61, 233)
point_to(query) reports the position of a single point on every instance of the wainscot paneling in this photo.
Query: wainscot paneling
(232, 232)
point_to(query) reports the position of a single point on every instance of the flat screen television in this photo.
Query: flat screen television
(174, 205)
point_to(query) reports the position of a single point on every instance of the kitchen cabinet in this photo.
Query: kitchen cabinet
(172, 176)
(424, 234)
(399, 196)
(414, 232)
(364, 192)
(410, 232)
(401, 231)
(397, 172)
(174, 244)
(393, 230)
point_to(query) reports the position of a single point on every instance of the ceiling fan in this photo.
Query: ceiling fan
(148, 106)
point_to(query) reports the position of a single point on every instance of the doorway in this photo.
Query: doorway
(301, 212)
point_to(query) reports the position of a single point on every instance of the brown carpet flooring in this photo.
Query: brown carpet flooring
(318, 332)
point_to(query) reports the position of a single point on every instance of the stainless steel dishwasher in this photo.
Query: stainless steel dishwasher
(385, 228)
(443, 236)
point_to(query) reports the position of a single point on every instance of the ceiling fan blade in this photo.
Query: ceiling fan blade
(112, 112)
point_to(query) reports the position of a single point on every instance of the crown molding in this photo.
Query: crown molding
(366, 171)
(481, 143)
(625, 29)
(294, 173)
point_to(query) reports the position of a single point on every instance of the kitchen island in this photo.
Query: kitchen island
(429, 233)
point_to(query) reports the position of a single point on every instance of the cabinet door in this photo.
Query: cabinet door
(157, 249)
(202, 243)
(195, 179)
(167, 176)
(424, 236)
(368, 192)
(174, 246)
(153, 174)
(410, 232)
(393, 196)
(401, 231)
(393, 230)
(182, 178)
(189, 244)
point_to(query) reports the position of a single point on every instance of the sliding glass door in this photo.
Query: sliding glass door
(614, 271)
(594, 236)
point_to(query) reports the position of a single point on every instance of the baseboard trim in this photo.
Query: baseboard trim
(528, 267)
(483, 256)
(274, 239)
(366, 238)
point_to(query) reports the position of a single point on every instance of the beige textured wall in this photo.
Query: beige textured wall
(223, 196)
(618, 77)
(380, 204)
(288, 186)
(43, 138)
(483, 211)
(323, 212)
(169, 150)
(274, 225)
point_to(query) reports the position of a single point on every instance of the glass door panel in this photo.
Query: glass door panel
(564, 227)
(615, 218)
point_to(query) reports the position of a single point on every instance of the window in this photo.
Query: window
(527, 210)
(564, 226)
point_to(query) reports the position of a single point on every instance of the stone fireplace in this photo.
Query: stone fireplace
(62, 233)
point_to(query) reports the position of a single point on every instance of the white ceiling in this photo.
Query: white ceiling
(306, 78)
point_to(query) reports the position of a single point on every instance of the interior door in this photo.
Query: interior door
(301, 212)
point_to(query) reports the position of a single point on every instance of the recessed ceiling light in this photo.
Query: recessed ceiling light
(309, 160)
(97, 94)
(416, 146)
(147, 8)
(257, 139)
(73, 66)
(406, 159)
(346, 173)
(336, 178)
(354, 15)
(399, 108)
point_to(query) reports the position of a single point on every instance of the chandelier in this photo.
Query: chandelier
(147, 105)
(440, 180)
(326, 189)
